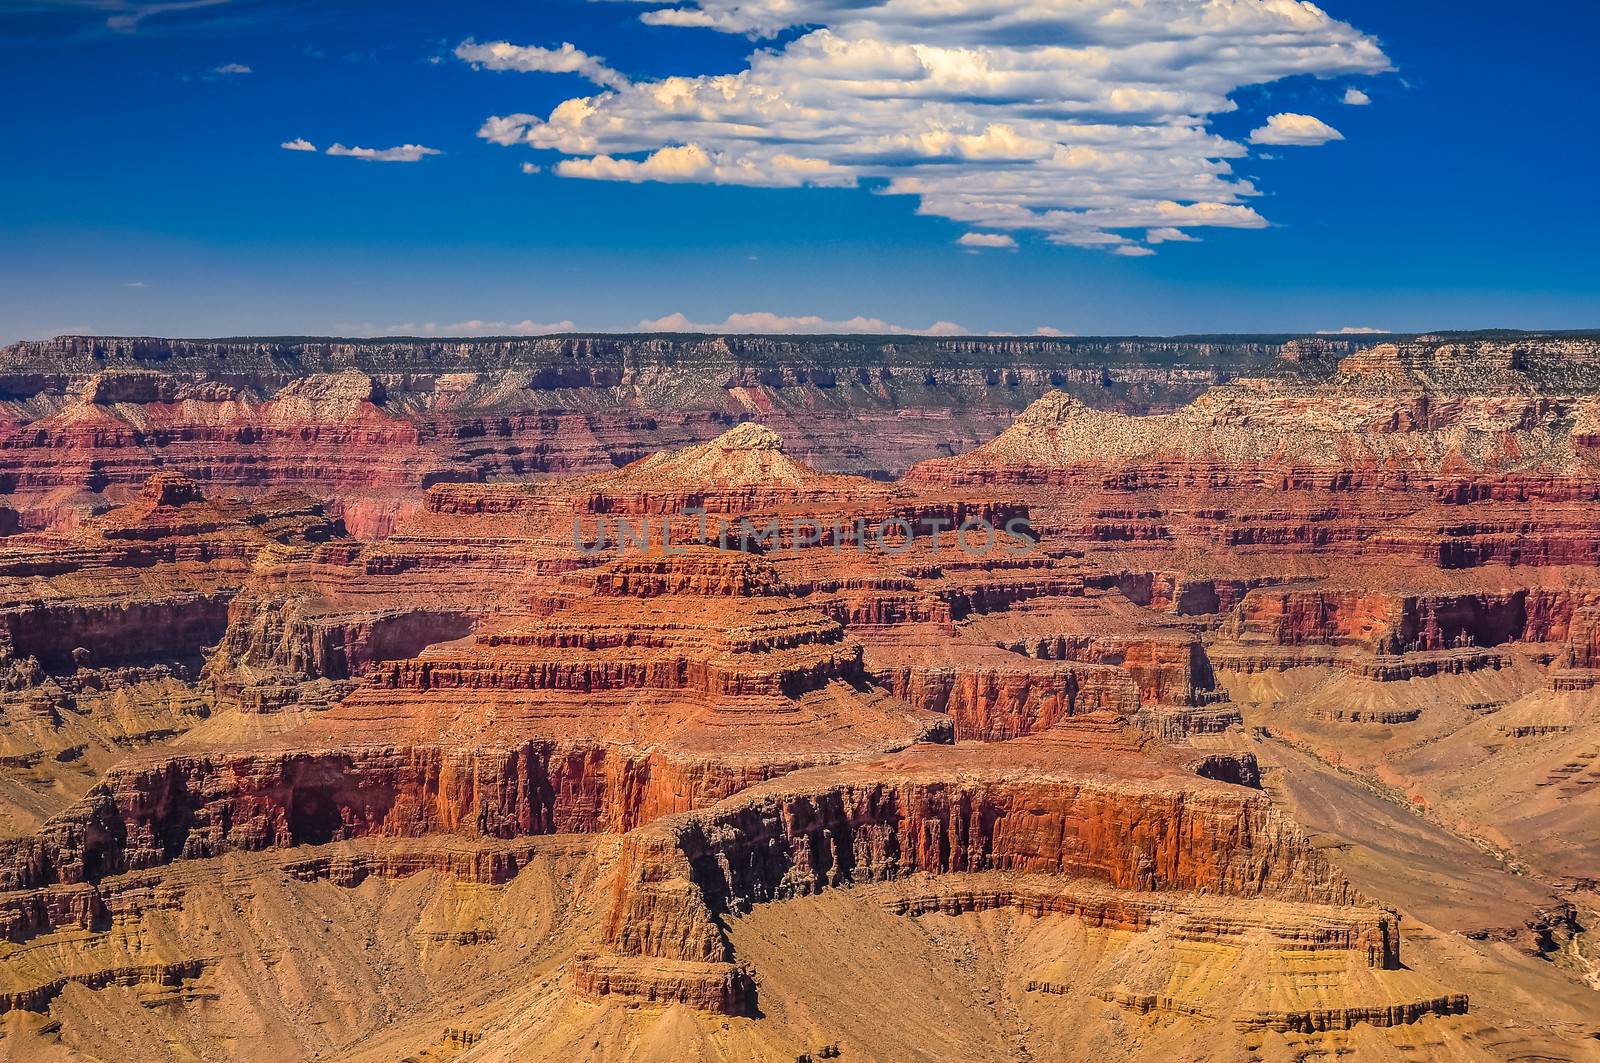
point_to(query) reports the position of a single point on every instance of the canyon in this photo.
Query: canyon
(779, 699)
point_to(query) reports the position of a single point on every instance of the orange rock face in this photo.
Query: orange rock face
(1116, 703)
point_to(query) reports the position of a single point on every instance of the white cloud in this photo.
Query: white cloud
(133, 284)
(526, 59)
(298, 144)
(996, 240)
(532, 167)
(1073, 118)
(1132, 251)
(1046, 330)
(692, 164)
(763, 323)
(1168, 235)
(1297, 130)
(232, 68)
(403, 153)
(1356, 98)
(474, 327)
(1353, 330)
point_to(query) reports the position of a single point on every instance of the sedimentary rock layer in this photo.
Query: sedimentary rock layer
(1058, 752)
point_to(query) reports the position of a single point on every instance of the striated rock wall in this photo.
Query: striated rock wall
(798, 839)
(1230, 843)
(1391, 623)
(65, 635)
(660, 671)
(203, 805)
(997, 703)
(755, 358)
(1170, 669)
(678, 879)
(272, 632)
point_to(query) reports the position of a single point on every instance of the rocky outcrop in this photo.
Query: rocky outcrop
(1583, 639)
(1192, 918)
(1173, 669)
(65, 636)
(205, 805)
(1407, 474)
(719, 988)
(1026, 807)
(1266, 434)
(997, 700)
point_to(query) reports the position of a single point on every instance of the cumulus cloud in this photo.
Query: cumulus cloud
(1297, 130)
(475, 327)
(528, 59)
(1353, 330)
(996, 240)
(298, 144)
(402, 153)
(692, 164)
(232, 68)
(1132, 251)
(1074, 118)
(532, 167)
(763, 323)
(1168, 235)
(1356, 98)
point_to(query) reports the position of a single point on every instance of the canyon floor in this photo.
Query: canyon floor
(777, 700)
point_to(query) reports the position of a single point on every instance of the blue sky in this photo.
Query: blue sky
(146, 191)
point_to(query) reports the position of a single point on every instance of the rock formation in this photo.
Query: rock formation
(1262, 725)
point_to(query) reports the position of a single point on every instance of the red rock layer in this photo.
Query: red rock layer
(1028, 807)
(992, 695)
(204, 805)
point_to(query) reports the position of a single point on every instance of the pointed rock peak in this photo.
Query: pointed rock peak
(747, 457)
(746, 454)
(749, 436)
(1059, 430)
(1053, 409)
(171, 489)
